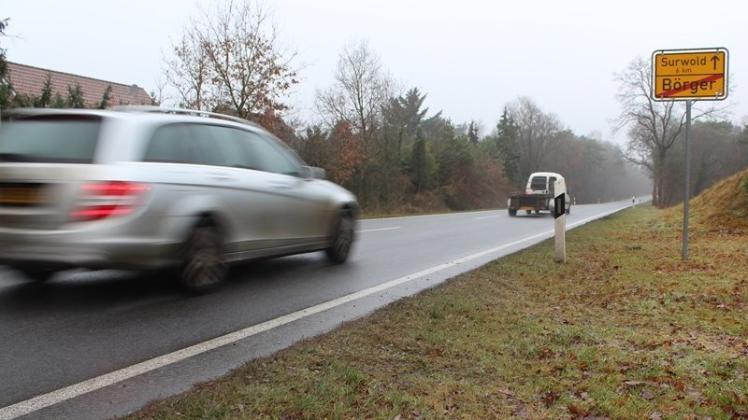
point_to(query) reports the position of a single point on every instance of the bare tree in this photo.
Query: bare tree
(360, 91)
(653, 127)
(230, 60)
(159, 94)
(187, 70)
(536, 131)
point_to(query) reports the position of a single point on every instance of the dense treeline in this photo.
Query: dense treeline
(383, 143)
(417, 160)
(395, 154)
(49, 99)
(656, 133)
(718, 150)
(380, 141)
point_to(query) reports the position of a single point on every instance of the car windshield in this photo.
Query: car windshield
(59, 139)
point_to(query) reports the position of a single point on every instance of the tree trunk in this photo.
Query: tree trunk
(658, 196)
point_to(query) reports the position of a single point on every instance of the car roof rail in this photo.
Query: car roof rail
(181, 111)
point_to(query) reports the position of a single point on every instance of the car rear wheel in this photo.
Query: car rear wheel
(342, 239)
(203, 269)
(512, 212)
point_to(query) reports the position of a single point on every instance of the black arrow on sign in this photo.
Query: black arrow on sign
(715, 60)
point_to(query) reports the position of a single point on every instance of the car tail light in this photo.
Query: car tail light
(105, 199)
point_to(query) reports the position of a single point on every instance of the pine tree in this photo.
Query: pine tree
(75, 97)
(421, 164)
(473, 133)
(411, 105)
(106, 98)
(45, 99)
(58, 101)
(508, 147)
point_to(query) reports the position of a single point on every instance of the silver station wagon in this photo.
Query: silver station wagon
(147, 188)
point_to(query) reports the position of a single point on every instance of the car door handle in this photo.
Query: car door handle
(221, 177)
(281, 185)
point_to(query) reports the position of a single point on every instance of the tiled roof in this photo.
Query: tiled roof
(29, 80)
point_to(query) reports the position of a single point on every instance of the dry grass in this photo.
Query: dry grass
(721, 208)
(418, 204)
(624, 330)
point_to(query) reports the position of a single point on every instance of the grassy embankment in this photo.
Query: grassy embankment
(624, 330)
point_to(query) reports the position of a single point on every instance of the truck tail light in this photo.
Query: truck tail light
(100, 200)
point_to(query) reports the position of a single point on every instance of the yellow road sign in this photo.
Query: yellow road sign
(690, 74)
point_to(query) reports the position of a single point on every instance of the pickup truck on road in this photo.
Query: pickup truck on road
(538, 195)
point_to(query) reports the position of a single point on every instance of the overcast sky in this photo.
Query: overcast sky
(470, 56)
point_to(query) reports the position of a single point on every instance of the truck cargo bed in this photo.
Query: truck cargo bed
(529, 202)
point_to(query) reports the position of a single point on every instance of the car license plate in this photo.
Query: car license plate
(20, 196)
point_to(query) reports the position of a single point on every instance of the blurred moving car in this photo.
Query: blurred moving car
(150, 188)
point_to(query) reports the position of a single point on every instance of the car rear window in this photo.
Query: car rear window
(59, 139)
(538, 183)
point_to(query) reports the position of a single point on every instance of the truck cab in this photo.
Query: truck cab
(541, 183)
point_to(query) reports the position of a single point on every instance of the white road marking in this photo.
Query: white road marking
(72, 391)
(378, 229)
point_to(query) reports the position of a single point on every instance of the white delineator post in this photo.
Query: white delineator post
(559, 214)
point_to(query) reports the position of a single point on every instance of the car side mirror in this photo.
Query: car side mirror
(320, 173)
(312, 172)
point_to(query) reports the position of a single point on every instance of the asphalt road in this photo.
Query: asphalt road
(84, 325)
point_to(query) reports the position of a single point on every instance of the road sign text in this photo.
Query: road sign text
(685, 74)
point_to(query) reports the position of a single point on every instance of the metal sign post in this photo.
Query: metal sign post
(559, 214)
(687, 189)
(697, 74)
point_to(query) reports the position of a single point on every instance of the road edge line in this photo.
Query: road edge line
(69, 392)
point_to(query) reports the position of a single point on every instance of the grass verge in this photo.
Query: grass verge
(624, 330)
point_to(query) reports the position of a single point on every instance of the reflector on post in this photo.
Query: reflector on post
(559, 213)
(559, 205)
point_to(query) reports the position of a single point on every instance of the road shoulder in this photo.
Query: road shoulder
(624, 329)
